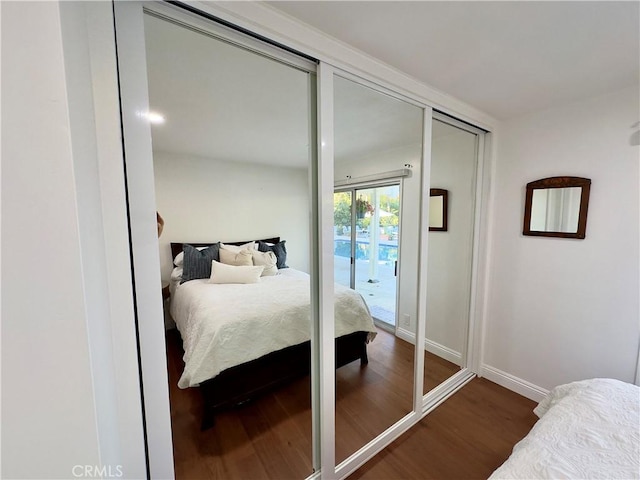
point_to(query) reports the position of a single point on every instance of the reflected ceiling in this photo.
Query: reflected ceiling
(229, 104)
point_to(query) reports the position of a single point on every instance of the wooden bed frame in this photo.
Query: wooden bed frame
(244, 382)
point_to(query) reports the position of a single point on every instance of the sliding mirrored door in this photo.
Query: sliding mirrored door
(454, 163)
(231, 160)
(376, 136)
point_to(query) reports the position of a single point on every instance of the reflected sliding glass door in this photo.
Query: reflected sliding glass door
(366, 246)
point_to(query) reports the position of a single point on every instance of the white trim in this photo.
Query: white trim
(513, 383)
(431, 346)
(451, 385)
(315, 476)
(326, 271)
(476, 288)
(423, 261)
(143, 234)
(406, 335)
(480, 297)
(314, 275)
(443, 352)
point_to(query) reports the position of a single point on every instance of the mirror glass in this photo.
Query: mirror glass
(438, 210)
(231, 164)
(453, 168)
(376, 233)
(557, 207)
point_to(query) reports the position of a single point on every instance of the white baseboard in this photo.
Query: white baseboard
(406, 335)
(431, 346)
(515, 384)
(443, 352)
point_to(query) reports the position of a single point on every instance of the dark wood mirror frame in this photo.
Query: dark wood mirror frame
(558, 182)
(439, 192)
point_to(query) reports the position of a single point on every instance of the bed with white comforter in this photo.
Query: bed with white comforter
(226, 325)
(587, 430)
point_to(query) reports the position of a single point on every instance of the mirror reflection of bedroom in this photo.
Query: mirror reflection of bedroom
(377, 160)
(231, 165)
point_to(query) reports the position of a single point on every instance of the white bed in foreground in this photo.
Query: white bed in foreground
(587, 430)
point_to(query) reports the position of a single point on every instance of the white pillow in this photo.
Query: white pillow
(176, 274)
(268, 260)
(221, 273)
(239, 259)
(237, 248)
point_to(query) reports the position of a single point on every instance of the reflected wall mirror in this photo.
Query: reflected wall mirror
(557, 207)
(438, 210)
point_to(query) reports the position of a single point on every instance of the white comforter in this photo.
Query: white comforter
(225, 325)
(587, 430)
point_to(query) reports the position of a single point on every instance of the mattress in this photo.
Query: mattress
(226, 325)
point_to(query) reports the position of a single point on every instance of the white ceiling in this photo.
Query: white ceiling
(504, 58)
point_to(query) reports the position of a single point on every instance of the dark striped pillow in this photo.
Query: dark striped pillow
(279, 249)
(197, 263)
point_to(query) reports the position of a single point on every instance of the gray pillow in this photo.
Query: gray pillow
(279, 249)
(197, 263)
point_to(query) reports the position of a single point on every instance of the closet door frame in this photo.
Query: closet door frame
(155, 393)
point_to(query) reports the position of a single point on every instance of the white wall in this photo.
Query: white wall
(562, 309)
(202, 200)
(48, 416)
(71, 392)
(453, 166)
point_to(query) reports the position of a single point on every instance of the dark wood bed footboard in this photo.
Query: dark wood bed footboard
(244, 382)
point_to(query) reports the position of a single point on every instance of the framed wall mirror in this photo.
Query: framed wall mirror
(438, 209)
(557, 207)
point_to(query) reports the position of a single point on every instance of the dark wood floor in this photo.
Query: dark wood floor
(271, 436)
(467, 437)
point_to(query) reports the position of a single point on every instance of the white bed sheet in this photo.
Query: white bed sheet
(587, 430)
(226, 325)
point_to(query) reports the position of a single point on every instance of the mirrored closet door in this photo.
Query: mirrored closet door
(232, 151)
(454, 160)
(377, 160)
(221, 145)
